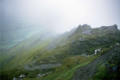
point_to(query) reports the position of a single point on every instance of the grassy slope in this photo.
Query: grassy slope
(23, 52)
(69, 67)
(63, 53)
(66, 71)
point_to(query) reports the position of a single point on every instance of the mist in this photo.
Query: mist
(59, 39)
(23, 18)
(60, 16)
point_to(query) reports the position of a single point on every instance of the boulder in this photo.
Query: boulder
(22, 76)
(97, 50)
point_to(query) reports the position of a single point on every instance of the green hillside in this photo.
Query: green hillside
(84, 53)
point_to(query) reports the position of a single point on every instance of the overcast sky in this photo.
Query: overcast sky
(62, 15)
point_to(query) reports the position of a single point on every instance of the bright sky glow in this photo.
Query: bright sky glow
(63, 15)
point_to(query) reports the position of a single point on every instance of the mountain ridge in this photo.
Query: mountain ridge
(65, 50)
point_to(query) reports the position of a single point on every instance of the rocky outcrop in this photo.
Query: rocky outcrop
(41, 75)
(19, 77)
(97, 50)
(110, 28)
(42, 66)
(85, 29)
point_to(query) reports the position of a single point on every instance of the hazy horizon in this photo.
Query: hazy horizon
(60, 15)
